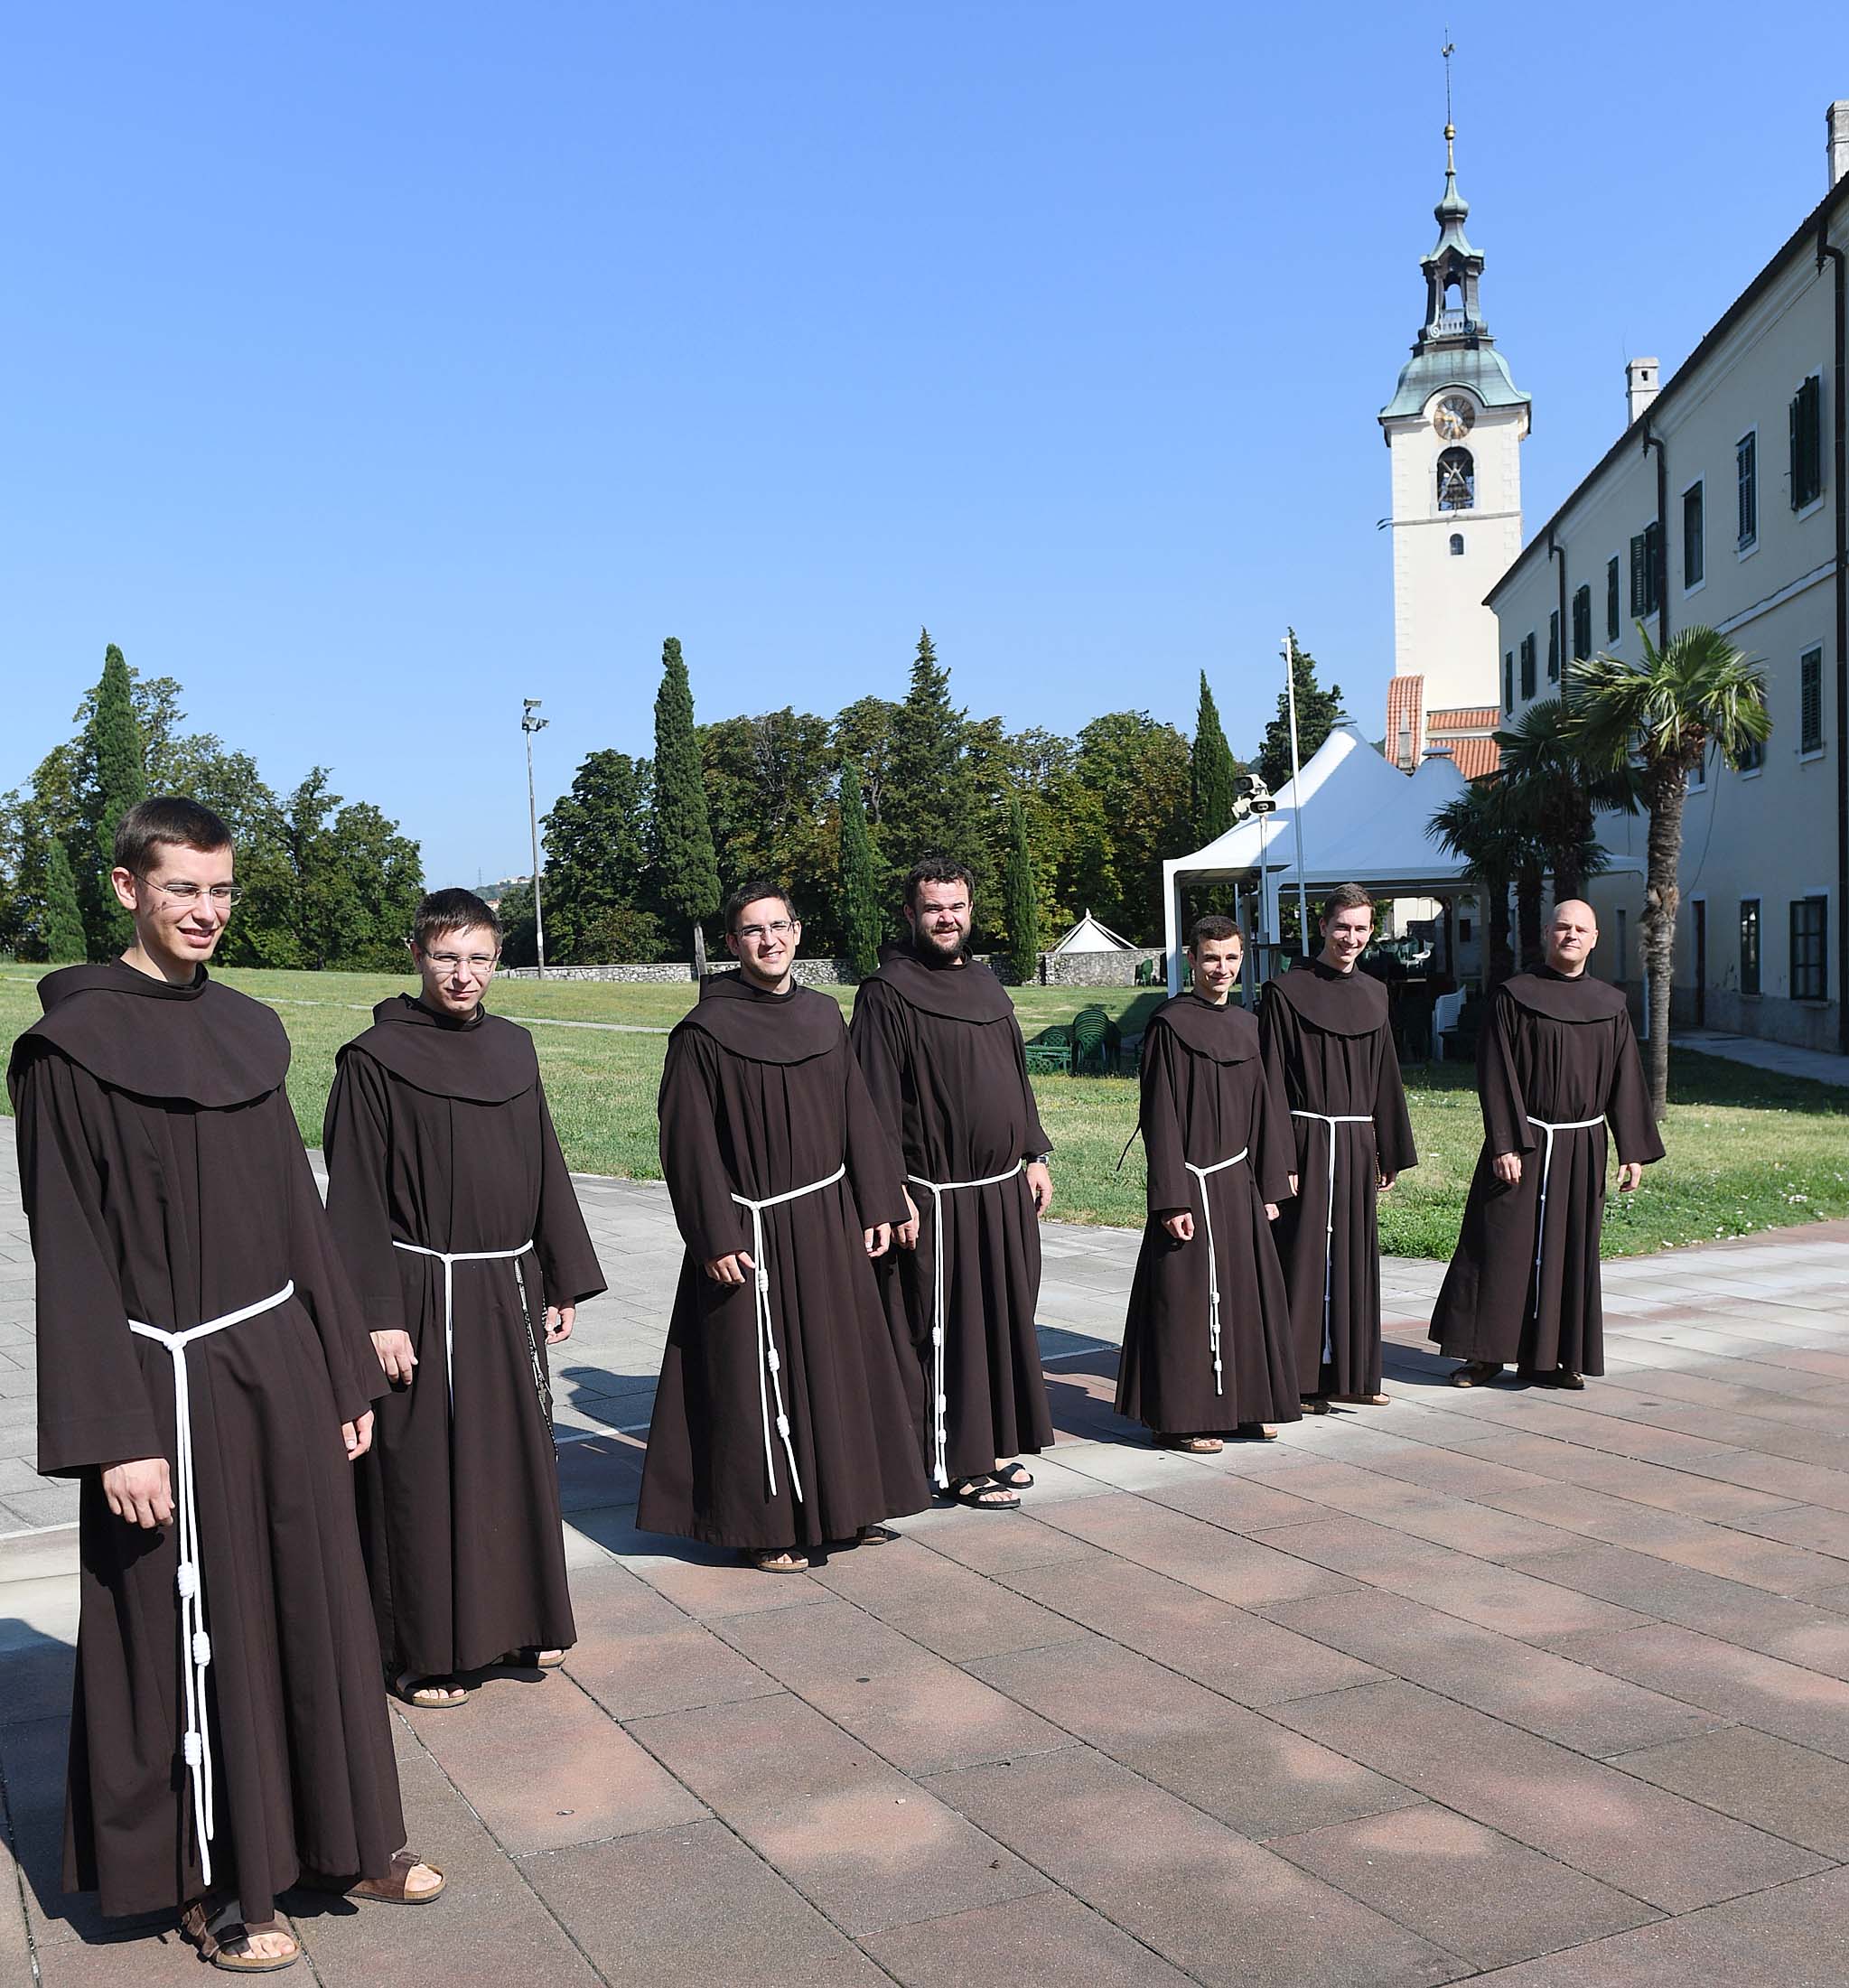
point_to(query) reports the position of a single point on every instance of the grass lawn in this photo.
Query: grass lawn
(1748, 1150)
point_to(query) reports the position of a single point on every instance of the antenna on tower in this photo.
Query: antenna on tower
(1447, 51)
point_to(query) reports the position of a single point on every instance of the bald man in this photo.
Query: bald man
(1557, 1064)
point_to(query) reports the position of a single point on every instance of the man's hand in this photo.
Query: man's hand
(877, 1239)
(906, 1234)
(140, 1491)
(1630, 1176)
(394, 1355)
(1040, 1183)
(1271, 1211)
(559, 1321)
(1386, 1180)
(1294, 1184)
(732, 1269)
(1180, 1225)
(1507, 1168)
(358, 1436)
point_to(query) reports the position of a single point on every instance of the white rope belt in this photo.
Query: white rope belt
(196, 1645)
(1201, 1174)
(1576, 1125)
(940, 1399)
(1331, 1119)
(769, 1364)
(449, 1259)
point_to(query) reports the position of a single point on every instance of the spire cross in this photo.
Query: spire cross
(1447, 51)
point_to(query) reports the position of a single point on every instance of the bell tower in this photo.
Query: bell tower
(1453, 430)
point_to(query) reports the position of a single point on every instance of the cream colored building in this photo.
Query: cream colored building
(1722, 503)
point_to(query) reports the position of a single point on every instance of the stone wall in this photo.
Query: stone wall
(811, 973)
(1097, 969)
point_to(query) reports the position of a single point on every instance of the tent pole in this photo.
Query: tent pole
(1290, 657)
(1172, 923)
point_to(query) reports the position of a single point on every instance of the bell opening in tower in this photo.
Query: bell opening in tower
(1457, 480)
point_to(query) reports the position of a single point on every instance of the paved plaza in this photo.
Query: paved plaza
(1536, 1688)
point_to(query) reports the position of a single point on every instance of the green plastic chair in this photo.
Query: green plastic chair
(1092, 1047)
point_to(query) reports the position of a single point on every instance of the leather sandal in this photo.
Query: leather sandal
(531, 1657)
(874, 1535)
(975, 1492)
(429, 1694)
(1013, 1476)
(214, 1944)
(1258, 1432)
(1194, 1446)
(775, 1559)
(391, 1888)
(1476, 1373)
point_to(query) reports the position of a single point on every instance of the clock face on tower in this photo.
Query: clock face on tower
(1453, 417)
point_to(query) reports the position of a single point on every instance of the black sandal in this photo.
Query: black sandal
(1013, 1476)
(971, 1491)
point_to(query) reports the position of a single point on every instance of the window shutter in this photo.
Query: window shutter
(1653, 566)
(1613, 620)
(1637, 576)
(1797, 479)
(1508, 679)
(1810, 701)
(1554, 645)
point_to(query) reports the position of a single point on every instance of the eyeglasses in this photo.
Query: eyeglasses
(448, 962)
(223, 895)
(779, 928)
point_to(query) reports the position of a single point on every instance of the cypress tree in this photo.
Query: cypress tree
(1319, 712)
(60, 918)
(931, 806)
(1021, 901)
(110, 754)
(686, 869)
(861, 924)
(1213, 773)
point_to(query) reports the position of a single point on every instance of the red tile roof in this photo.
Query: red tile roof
(1469, 718)
(1404, 697)
(1475, 757)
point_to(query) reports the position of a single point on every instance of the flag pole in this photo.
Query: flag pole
(1289, 653)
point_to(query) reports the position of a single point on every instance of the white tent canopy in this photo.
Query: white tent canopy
(1089, 935)
(1362, 821)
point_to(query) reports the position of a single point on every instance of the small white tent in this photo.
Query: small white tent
(1361, 821)
(1090, 937)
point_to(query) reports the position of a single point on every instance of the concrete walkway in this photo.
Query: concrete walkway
(1786, 1058)
(1544, 1689)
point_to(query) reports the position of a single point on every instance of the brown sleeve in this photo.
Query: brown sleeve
(1628, 1109)
(711, 1223)
(1393, 1125)
(1164, 1155)
(875, 1166)
(355, 1140)
(320, 1281)
(568, 1265)
(1506, 1127)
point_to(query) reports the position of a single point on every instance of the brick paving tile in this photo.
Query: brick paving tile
(692, 1905)
(1559, 1700)
(1218, 1905)
(1796, 1937)
(1809, 1526)
(1593, 1818)
(1777, 1697)
(1049, 1938)
(1256, 1776)
(1472, 1890)
(910, 1707)
(1247, 1659)
(1238, 1504)
(870, 1847)
(994, 1543)
(1789, 1790)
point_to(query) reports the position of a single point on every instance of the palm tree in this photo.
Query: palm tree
(1544, 762)
(1474, 824)
(1660, 716)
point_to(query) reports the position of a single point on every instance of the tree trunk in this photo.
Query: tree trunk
(1527, 902)
(1501, 955)
(1569, 879)
(1666, 791)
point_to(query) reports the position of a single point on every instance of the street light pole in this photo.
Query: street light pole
(529, 724)
(1290, 656)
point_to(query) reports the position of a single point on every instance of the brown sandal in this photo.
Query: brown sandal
(1477, 1373)
(1194, 1446)
(529, 1656)
(196, 1930)
(389, 1890)
(776, 1559)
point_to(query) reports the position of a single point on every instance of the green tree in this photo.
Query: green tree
(1021, 901)
(1129, 792)
(930, 805)
(1662, 716)
(770, 799)
(596, 864)
(1475, 826)
(112, 779)
(60, 918)
(355, 881)
(1546, 771)
(520, 942)
(863, 923)
(862, 732)
(1319, 712)
(687, 870)
(1213, 773)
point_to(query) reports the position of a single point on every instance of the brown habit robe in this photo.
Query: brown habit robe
(165, 1181)
(1330, 1050)
(1554, 1049)
(437, 1133)
(943, 1057)
(761, 1097)
(1206, 1096)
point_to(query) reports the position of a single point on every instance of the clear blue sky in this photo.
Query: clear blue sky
(370, 368)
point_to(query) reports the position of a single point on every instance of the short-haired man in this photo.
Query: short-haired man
(458, 1225)
(780, 1418)
(1556, 1064)
(204, 1374)
(1206, 1344)
(937, 1036)
(1328, 1045)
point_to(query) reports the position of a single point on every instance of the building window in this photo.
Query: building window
(1528, 666)
(1508, 679)
(1753, 756)
(1694, 550)
(1457, 480)
(1698, 773)
(1612, 608)
(1748, 946)
(1806, 416)
(1464, 931)
(1646, 570)
(1581, 624)
(1746, 470)
(1810, 701)
(1457, 545)
(1810, 953)
(1554, 645)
